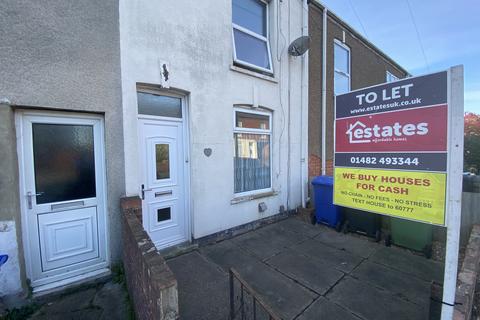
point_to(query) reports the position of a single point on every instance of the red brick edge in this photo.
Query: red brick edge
(151, 284)
(467, 277)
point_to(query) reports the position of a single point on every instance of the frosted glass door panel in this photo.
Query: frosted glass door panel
(64, 162)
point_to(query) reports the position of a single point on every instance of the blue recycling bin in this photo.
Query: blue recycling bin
(325, 211)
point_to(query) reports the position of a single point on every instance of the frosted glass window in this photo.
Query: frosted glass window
(162, 161)
(158, 105)
(64, 162)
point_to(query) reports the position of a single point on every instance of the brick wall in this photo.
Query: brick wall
(467, 277)
(368, 67)
(315, 166)
(466, 281)
(150, 282)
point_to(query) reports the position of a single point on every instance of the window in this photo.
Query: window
(64, 162)
(252, 157)
(162, 157)
(159, 105)
(390, 77)
(342, 68)
(250, 34)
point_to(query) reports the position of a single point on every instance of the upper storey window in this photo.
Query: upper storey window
(342, 68)
(250, 34)
(390, 77)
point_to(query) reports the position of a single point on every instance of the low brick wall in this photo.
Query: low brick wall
(467, 277)
(150, 282)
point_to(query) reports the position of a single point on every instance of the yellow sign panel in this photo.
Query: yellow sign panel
(405, 194)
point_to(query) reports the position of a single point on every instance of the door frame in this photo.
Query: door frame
(185, 120)
(65, 278)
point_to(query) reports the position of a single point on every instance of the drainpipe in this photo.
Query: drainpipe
(304, 108)
(289, 171)
(324, 92)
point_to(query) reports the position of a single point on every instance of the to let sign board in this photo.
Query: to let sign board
(391, 148)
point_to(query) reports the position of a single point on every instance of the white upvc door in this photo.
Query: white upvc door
(62, 193)
(163, 187)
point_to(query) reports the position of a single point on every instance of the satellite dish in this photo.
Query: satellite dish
(299, 46)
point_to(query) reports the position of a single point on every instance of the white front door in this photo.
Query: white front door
(62, 196)
(163, 163)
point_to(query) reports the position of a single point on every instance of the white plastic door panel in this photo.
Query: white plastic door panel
(163, 191)
(62, 195)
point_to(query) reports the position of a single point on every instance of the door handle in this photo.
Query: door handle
(163, 193)
(143, 191)
(30, 195)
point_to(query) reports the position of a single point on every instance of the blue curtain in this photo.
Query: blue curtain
(252, 162)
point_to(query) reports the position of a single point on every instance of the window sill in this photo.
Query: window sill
(253, 74)
(253, 197)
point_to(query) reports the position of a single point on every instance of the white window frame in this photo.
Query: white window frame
(253, 131)
(258, 36)
(348, 75)
(392, 76)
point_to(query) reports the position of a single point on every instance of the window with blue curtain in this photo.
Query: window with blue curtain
(252, 157)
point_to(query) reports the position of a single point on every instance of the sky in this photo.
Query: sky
(449, 32)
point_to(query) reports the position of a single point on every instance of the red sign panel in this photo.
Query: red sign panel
(422, 129)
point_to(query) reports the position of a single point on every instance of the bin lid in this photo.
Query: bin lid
(323, 180)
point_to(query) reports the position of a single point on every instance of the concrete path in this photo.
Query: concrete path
(307, 272)
(102, 301)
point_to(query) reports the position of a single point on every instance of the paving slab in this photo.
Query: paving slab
(227, 254)
(325, 309)
(203, 289)
(102, 301)
(404, 285)
(407, 262)
(68, 303)
(282, 294)
(372, 303)
(360, 246)
(298, 226)
(339, 259)
(268, 241)
(310, 272)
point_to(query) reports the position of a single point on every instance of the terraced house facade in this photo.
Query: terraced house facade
(197, 110)
(201, 116)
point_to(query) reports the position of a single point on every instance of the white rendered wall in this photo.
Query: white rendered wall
(195, 40)
(10, 271)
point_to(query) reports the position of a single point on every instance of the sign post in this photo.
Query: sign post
(454, 195)
(399, 152)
